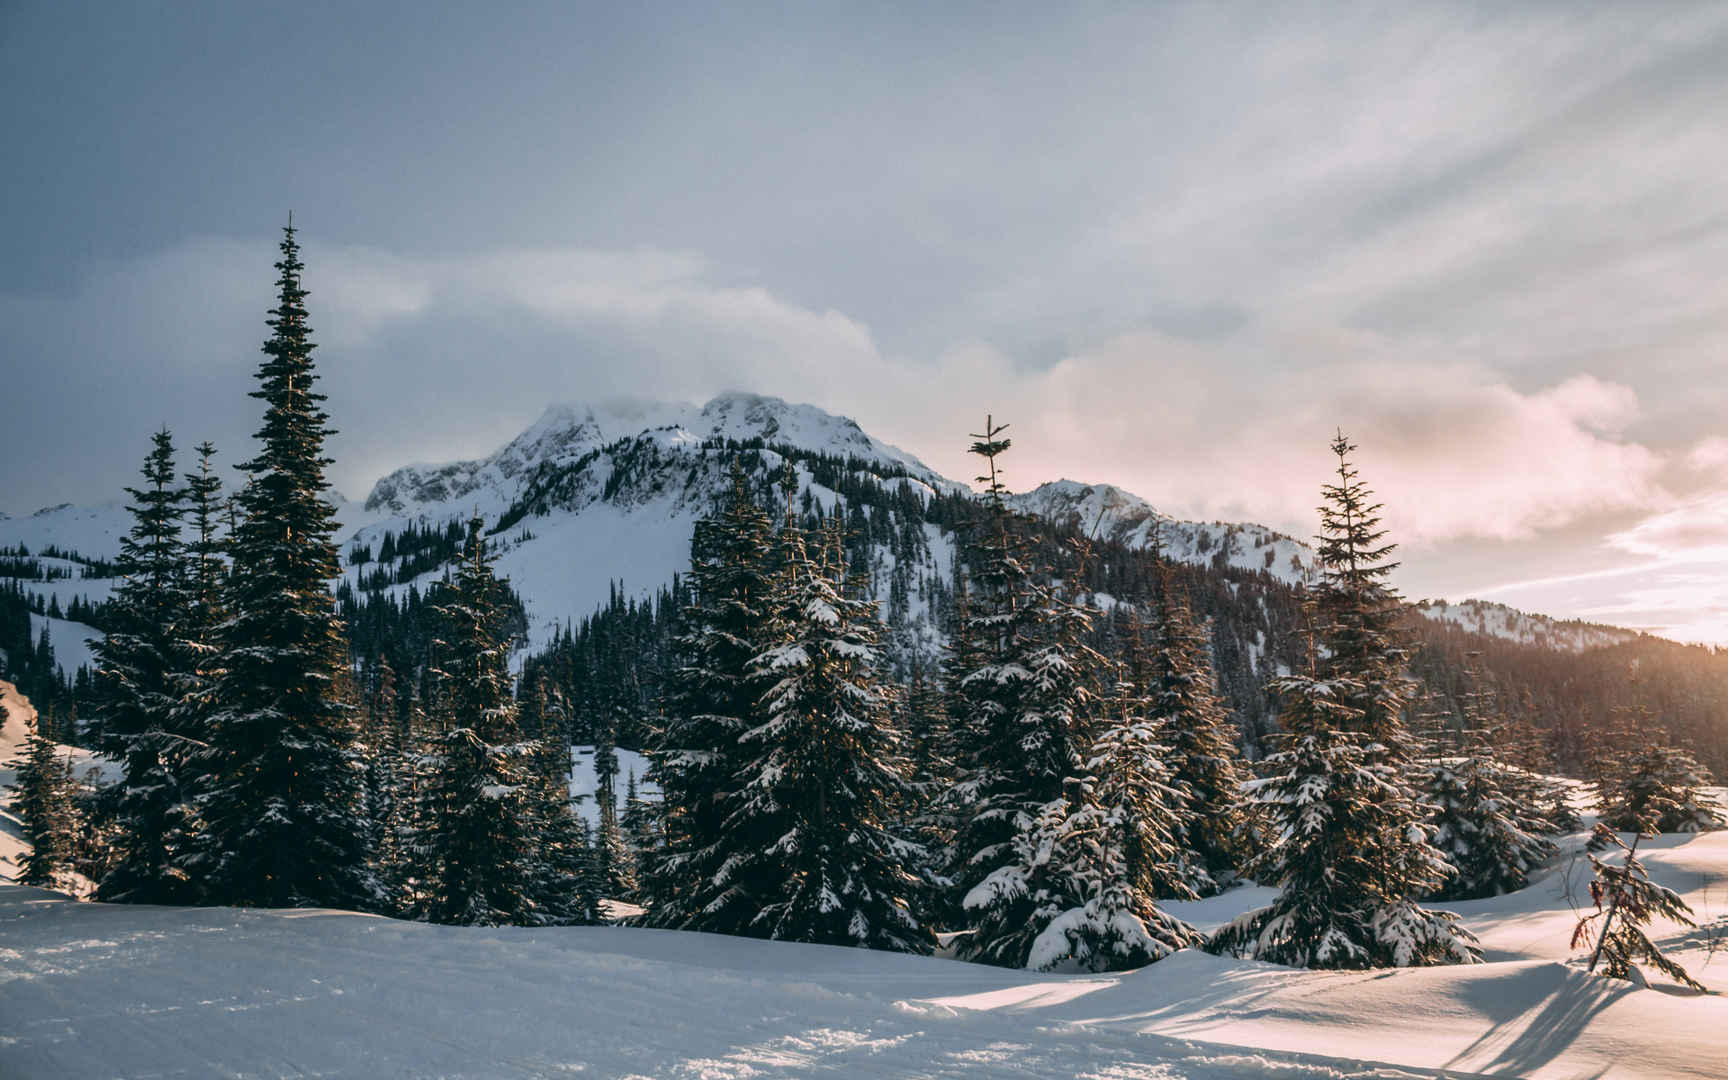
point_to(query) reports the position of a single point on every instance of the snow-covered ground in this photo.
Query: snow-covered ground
(94, 990)
(98, 990)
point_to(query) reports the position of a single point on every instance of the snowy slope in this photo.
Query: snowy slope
(1498, 620)
(96, 990)
(71, 641)
(584, 783)
(94, 530)
(1110, 513)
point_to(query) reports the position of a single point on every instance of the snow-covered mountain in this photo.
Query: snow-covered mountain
(1109, 513)
(1498, 620)
(565, 434)
(596, 498)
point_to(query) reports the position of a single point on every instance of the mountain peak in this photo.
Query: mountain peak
(565, 432)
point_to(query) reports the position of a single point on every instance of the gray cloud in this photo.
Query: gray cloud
(1235, 226)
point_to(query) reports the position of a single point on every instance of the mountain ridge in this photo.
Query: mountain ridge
(603, 466)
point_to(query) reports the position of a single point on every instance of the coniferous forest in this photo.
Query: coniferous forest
(1084, 748)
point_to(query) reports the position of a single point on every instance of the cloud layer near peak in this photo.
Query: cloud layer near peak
(433, 358)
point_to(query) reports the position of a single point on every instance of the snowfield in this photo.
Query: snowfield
(100, 990)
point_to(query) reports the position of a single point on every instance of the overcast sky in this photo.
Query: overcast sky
(1174, 245)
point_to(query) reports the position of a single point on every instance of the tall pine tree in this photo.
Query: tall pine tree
(1203, 755)
(824, 774)
(481, 830)
(140, 668)
(1020, 702)
(713, 702)
(1350, 851)
(42, 801)
(284, 820)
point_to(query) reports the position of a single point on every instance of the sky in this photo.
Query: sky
(1176, 246)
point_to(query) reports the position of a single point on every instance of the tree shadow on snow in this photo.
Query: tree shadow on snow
(1521, 1043)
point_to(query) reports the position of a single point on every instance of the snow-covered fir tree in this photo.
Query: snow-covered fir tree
(1017, 712)
(1204, 756)
(567, 889)
(200, 652)
(1111, 922)
(1349, 851)
(1114, 839)
(714, 700)
(1477, 824)
(283, 819)
(141, 673)
(479, 829)
(1130, 778)
(818, 856)
(386, 763)
(42, 802)
(1625, 902)
(1653, 787)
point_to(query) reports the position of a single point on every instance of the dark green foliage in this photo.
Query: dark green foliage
(1018, 708)
(1655, 788)
(478, 829)
(1479, 826)
(284, 820)
(1202, 739)
(142, 675)
(42, 802)
(714, 702)
(822, 774)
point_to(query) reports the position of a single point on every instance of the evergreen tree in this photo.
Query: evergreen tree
(140, 668)
(639, 821)
(481, 829)
(1350, 850)
(714, 702)
(1112, 843)
(1112, 922)
(823, 775)
(1131, 781)
(386, 765)
(614, 858)
(567, 888)
(1653, 788)
(1626, 900)
(1019, 714)
(42, 802)
(1360, 612)
(1478, 828)
(1202, 744)
(284, 823)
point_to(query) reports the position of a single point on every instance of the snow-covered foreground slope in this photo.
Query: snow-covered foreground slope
(99, 990)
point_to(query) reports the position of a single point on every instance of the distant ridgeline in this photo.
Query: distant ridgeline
(612, 663)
